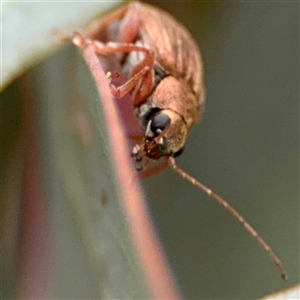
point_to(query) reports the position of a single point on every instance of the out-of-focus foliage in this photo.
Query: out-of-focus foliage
(29, 30)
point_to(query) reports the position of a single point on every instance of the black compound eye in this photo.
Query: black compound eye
(159, 122)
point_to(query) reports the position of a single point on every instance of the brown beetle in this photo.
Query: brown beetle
(163, 67)
(163, 72)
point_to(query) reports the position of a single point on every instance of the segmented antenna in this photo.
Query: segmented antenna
(233, 212)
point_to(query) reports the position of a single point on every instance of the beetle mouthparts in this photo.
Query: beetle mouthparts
(138, 155)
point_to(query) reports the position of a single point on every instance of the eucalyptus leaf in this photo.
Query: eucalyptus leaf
(93, 254)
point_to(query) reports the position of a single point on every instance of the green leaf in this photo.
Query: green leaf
(76, 227)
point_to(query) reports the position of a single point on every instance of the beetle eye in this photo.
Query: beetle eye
(159, 122)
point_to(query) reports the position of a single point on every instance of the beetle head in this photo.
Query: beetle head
(165, 135)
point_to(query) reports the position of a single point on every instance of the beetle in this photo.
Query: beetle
(163, 72)
(165, 75)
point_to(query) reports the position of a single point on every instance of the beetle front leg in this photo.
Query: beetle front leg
(144, 67)
(141, 161)
(125, 88)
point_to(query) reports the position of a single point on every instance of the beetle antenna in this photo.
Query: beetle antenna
(233, 212)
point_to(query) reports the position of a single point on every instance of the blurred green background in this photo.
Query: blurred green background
(246, 149)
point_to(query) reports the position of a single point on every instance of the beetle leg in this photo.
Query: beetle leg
(115, 47)
(97, 28)
(129, 16)
(142, 160)
(154, 170)
(135, 135)
(142, 69)
(111, 48)
(130, 25)
(122, 90)
(145, 87)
